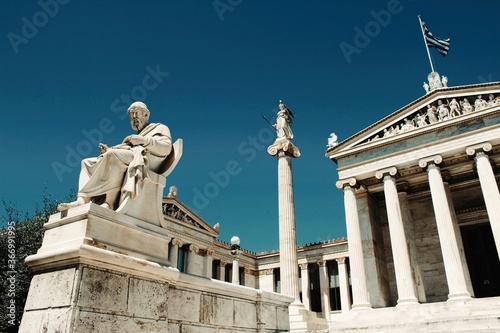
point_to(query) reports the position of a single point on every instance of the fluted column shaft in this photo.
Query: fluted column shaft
(222, 271)
(304, 273)
(490, 193)
(401, 257)
(288, 239)
(193, 250)
(209, 259)
(324, 289)
(345, 297)
(412, 247)
(453, 265)
(358, 275)
(174, 253)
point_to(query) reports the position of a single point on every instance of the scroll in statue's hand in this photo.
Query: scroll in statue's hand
(135, 140)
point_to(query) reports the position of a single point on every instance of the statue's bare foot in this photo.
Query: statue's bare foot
(67, 205)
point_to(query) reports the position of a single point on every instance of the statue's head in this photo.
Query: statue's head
(139, 115)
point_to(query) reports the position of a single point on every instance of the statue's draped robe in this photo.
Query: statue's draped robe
(283, 126)
(123, 168)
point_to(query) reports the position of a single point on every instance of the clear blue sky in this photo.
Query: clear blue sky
(65, 68)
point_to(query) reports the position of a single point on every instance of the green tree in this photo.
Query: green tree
(21, 236)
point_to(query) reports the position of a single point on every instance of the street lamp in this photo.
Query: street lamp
(235, 252)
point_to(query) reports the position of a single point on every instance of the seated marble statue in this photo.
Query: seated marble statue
(119, 171)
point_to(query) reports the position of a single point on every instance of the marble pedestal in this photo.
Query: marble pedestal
(101, 271)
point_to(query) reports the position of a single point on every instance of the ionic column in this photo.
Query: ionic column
(345, 297)
(209, 259)
(304, 273)
(402, 268)
(193, 250)
(222, 270)
(324, 288)
(489, 187)
(410, 237)
(285, 150)
(358, 276)
(174, 253)
(453, 263)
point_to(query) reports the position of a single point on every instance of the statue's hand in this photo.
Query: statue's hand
(103, 148)
(135, 140)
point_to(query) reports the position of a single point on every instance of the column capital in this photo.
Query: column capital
(177, 241)
(341, 260)
(248, 270)
(351, 182)
(194, 248)
(209, 252)
(322, 263)
(392, 171)
(437, 160)
(223, 263)
(484, 147)
(284, 147)
(303, 266)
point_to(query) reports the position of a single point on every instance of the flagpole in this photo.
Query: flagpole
(425, 42)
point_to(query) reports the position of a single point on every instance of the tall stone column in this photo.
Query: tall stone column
(410, 238)
(453, 263)
(345, 297)
(222, 270)
(304, 273)
(209, 259)
(358, 275)
(193, 250)
(324, 287)
(285, 151)
(489, 187)
(174, 252)
(402, 268)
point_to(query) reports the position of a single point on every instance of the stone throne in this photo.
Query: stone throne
(147, 206)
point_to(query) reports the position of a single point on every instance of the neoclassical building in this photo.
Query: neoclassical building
(423, 221)
(423, 213)
(195, 249)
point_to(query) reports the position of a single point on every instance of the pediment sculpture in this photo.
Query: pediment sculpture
(438, 111)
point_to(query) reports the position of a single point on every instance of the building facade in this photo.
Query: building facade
(423, 221)
(423, 209)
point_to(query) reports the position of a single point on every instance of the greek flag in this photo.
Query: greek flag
(441, 45)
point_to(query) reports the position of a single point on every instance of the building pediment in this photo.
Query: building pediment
(439, 108)
(176, 212)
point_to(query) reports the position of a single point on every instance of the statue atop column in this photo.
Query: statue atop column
(284, 132)
(283, 124)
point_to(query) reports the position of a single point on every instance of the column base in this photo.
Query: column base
(460, 297)
(407, 301)
(361, 306)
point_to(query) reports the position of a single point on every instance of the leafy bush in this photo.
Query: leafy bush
(21, 236)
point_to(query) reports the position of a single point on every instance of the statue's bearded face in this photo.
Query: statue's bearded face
(138, 118)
